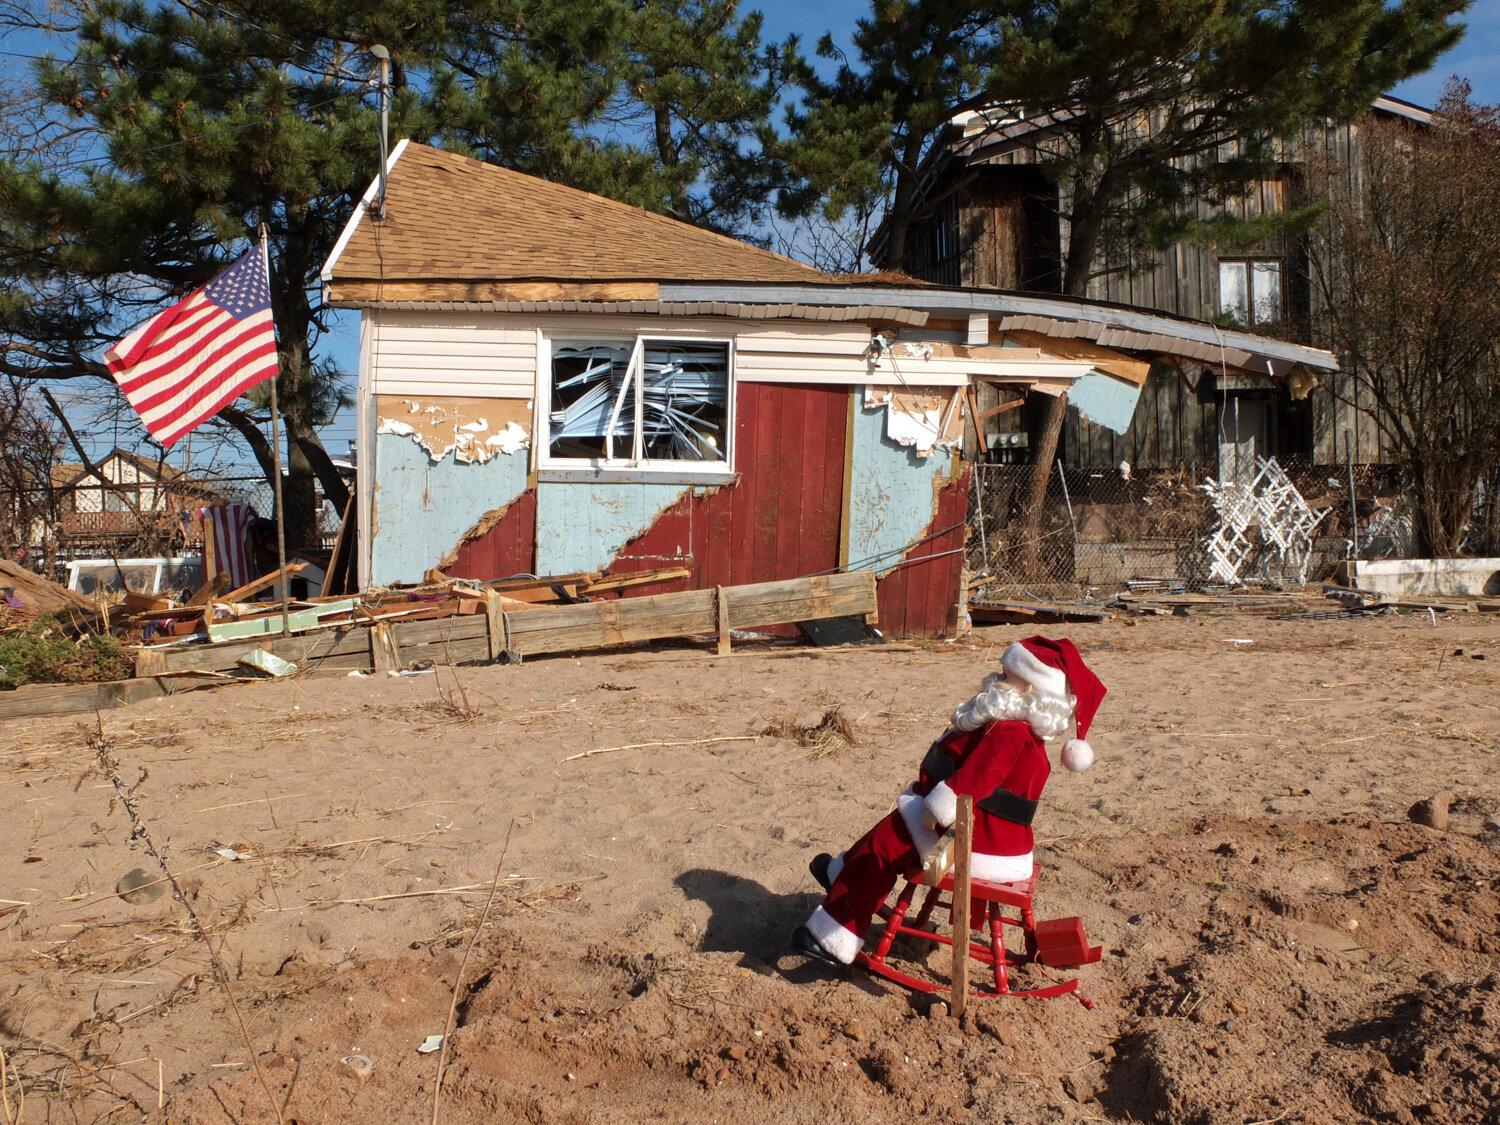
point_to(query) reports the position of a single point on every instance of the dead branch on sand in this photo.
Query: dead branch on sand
(645, 745)
(437, 1088)
(126, 795)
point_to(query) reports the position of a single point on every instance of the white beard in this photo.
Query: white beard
(1047, 715)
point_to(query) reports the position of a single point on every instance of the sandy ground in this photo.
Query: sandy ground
(1281, 942)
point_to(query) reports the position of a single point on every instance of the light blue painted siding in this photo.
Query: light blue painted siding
(890, 493)
(1105, 400)
(422, 509)
(582, 526)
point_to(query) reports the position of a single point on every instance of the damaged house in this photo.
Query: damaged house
(553, 383)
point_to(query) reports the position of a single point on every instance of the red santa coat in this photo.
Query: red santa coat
(1004, 755)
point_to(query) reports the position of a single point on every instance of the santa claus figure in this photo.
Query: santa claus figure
(995, 752)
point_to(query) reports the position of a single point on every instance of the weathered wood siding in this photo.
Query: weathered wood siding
(1170, 426)
(507, 548)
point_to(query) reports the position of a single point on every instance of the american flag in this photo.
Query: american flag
(188, 361)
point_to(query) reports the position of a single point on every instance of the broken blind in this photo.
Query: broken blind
(639, 401)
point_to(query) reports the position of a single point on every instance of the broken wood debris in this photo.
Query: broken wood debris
(393, 630)
(458, 638)
(1027, 613)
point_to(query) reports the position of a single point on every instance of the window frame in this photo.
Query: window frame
(1251, 318)
(630, 467)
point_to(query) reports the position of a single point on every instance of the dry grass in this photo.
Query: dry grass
(12, 1113)
(513, 901)
(829, 737)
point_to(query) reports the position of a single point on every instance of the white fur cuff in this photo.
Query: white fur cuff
(843, 944)
(942, 803)
(1001, 868)
(1020, 660)
(835, 865)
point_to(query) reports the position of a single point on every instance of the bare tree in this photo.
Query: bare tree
(1407, 271)
(30, 448)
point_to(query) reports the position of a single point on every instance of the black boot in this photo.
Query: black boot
(819, 869)
(805, 944)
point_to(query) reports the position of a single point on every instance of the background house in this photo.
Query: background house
(145, 508)
(993, 222)
(553, 383)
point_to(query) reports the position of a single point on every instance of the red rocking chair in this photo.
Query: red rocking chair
(1058, 943)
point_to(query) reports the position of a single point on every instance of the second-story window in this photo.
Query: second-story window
(1250, 291)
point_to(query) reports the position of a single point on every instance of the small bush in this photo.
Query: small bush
(43, 652)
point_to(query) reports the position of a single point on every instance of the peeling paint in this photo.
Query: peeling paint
(892, 492)
(582, 526)
(923, 419)
(461, 426)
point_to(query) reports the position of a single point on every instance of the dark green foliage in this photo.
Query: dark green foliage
(44, 652)
(208, 120)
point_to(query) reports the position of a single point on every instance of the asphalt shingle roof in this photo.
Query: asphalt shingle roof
(451, 217)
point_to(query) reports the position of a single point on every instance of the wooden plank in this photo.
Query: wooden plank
(243, 592)
(335, 578)
(977, 417)
(384, 652)
(494, 616)
(564, 628)
(209, 590)
(721, 605)
(1001, 409)
(963, 852)
(31, 700)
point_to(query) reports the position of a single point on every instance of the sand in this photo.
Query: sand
(1281, 943)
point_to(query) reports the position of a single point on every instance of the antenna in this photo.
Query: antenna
(385, 106)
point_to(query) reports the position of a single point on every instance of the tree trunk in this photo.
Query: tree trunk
(1081, 245)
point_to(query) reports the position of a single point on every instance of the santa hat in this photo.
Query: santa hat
(1054, 667)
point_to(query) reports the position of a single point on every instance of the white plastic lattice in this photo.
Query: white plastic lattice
(1268, 510)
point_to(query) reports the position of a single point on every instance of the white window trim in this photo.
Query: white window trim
(629, 468)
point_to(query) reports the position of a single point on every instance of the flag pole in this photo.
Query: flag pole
(286, 624)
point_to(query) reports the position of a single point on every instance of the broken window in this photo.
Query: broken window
(1250, 291)
(634, 403)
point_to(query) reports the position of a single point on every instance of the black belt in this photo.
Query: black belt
(1009, 806)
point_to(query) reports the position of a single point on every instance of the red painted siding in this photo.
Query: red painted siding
(781, 517)
(919, 599)
(505, 549)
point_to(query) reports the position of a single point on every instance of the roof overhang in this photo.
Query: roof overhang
(1113, 326)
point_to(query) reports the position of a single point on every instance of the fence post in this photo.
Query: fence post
(1068, 501)
(1353, 506)
(984, 549)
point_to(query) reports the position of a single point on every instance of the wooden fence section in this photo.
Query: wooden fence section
(587, 625)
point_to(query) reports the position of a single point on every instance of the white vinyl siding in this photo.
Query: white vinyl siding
(430, 354)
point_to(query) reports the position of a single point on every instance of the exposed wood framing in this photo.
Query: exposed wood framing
(1107, 360)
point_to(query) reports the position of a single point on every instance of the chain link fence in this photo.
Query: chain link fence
(1101, 531)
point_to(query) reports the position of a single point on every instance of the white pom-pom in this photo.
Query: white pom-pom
(1077, 755)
